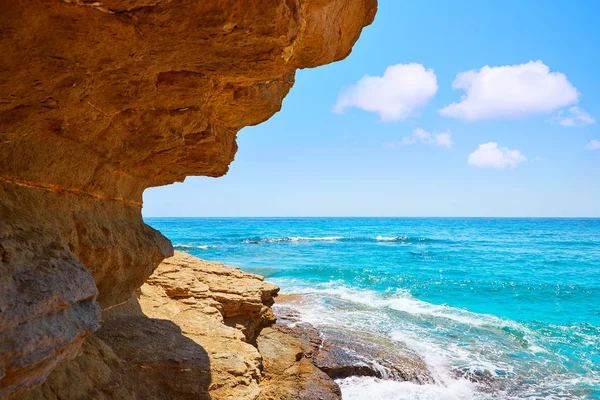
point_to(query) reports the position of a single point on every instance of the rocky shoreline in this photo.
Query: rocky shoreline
(201, 330)
(342, 353)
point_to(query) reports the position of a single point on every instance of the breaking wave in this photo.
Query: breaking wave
(187, 247)
(469, 354)
(295, 239)
(379, 238)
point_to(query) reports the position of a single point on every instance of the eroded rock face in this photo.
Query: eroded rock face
(287, 374)
(100, 100)
(172, 340)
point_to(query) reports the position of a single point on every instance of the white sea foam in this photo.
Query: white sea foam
(294, 239)
(361, 388)
(325, 238)
(404, 302)
(453, 342)
(191, 246)
(391, 238)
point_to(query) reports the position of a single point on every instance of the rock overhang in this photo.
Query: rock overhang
(101, 100)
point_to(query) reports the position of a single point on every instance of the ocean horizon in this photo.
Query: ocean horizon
(365, 217)
(498, 308)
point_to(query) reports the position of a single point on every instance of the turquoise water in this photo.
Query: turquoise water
(513, 300)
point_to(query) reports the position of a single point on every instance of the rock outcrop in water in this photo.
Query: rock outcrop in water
(100, 100)
(341, 353)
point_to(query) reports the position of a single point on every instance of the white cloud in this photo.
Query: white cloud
(397, 95)
(593, 145)
(575, 117)
(490, 156)
(510, 91)
(443, 139)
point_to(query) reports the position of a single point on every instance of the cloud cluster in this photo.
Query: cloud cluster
(443, 139)
(575, 117)
(397, 95)
(490, 156)
(502, 92)
(593, 145)
(510, 91)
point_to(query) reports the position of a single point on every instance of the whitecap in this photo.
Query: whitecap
(294, 239)
(192, 246)
(391, 238)
(325, 238)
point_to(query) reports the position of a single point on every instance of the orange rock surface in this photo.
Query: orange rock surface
(100, 100)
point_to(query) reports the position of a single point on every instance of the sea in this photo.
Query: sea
(513, 300)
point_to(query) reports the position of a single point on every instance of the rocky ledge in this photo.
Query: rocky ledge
(201, 330)
(195, 330)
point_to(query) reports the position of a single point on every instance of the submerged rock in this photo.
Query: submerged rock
(342, 353)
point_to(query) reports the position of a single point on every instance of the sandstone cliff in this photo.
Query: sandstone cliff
(102, 99)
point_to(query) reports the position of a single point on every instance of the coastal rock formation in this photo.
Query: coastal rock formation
(176, 339)
(341, 353)
(289, 375)
(100, 100)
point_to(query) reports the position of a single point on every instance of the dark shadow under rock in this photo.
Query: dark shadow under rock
(132, 358)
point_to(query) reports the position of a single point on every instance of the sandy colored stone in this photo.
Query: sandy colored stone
(218, 308)
(94, 374)
(185, 286)
(287, 374)
(101, 100)
(174, 339)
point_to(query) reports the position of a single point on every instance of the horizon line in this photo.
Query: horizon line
(373, 216)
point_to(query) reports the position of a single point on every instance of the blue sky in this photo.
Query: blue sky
(388, 150)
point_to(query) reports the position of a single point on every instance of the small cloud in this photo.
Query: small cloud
(443, 139)
(510, 91)
(490, 156)
(575, 117)
(594, 144)
(397, 95)
(407, 141)
(420, 135)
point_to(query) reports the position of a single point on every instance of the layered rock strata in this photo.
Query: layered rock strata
(100, 100)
